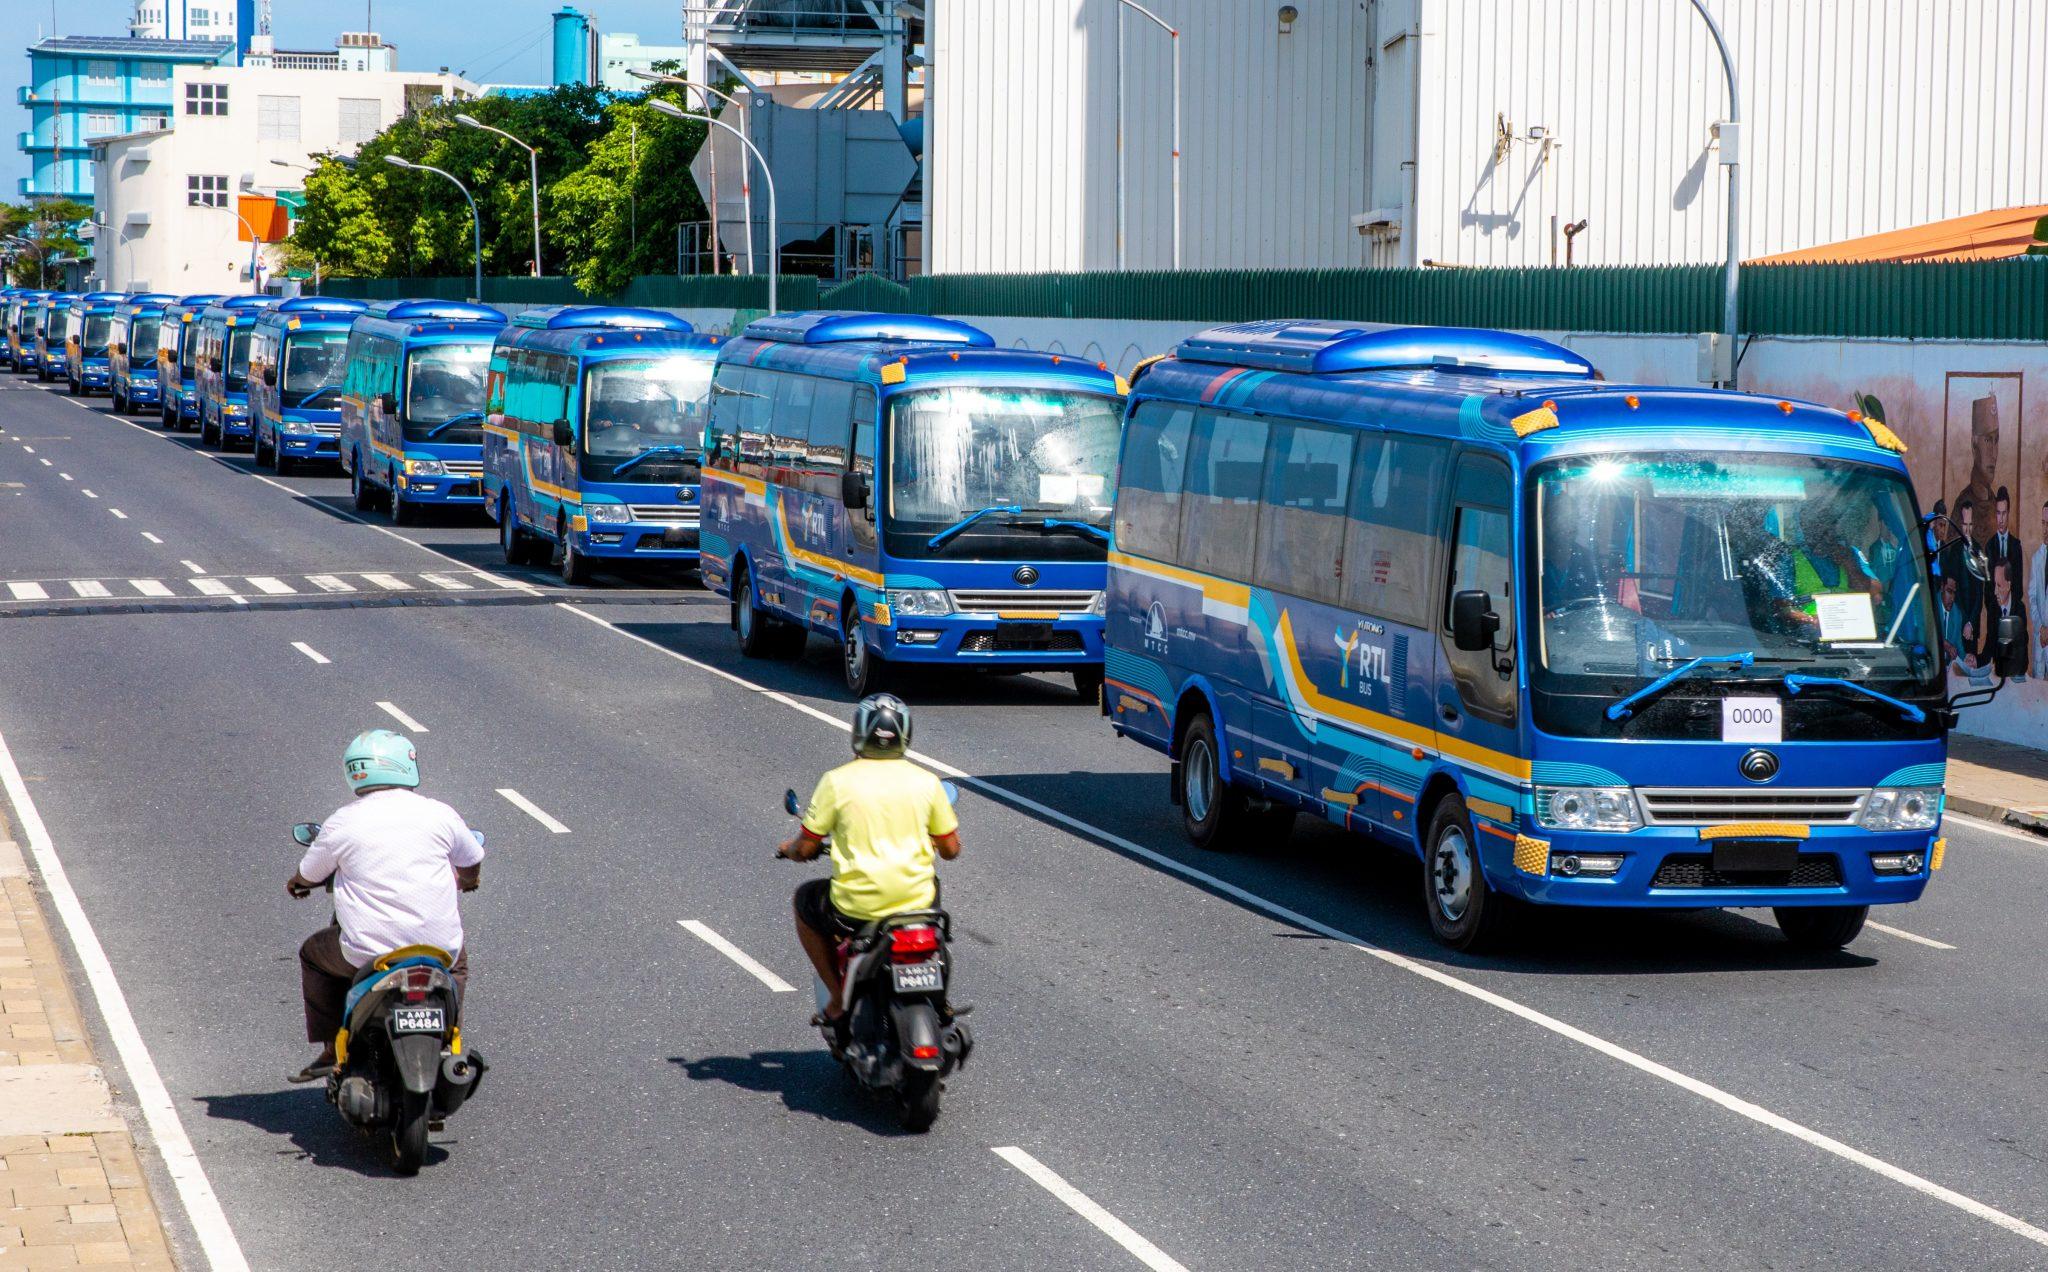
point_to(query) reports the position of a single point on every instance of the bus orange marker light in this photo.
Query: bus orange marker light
(1102, 366)
(955, 357)
(1855, 417)
(1786, 407)
(1633, 401)
(1055, 359)
(1549, 404)
(1415, 753)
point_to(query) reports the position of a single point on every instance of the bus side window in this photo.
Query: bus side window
(752, 418)
(1390, 545)
(789, 424)
(1482, 559)
(1148, 497)
(1221, 519)
(1301, 519)
(831, 418)
(864, 431)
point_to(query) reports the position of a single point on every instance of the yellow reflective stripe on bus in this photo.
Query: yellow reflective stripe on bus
(1237, 595)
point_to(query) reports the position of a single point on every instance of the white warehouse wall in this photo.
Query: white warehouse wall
(1021, 140)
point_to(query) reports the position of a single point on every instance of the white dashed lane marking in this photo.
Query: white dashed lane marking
(392, 710)
(193, 566)
(152, 538)
(1081, 1204)
(532, 810)
(704, 933)
(117, 512)
(311, 652)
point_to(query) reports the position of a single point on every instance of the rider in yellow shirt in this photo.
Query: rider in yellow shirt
(885, 818)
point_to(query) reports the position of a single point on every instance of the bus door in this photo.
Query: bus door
(794, 591)
(1226, 464)
(861, 545)
(1476, 692)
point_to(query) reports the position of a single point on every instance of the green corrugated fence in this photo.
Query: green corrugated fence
(1969, 300)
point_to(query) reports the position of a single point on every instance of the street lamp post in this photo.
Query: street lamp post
(476, 223)
(774, 227)
(533, 169)
(1731, 159)
(255, 241)
(746, 182)
(1174, 35)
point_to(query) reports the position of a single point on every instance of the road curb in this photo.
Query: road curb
(1984, 810)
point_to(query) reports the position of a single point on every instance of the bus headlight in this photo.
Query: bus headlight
(424, 468)
(1901, 808)
(920, 603)
(609, 513)
(1098, 606)
(1587, 808)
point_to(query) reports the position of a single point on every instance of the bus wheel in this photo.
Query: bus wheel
(403, 512)
(1088, 684)
(576, 569)
(263, 455)
(361, 492)
(1212, 812)
(1821, 927)
(514, 544)
(1464, 913)
(756, 631)
(864, 669)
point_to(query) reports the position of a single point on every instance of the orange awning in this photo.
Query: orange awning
(1981, 236)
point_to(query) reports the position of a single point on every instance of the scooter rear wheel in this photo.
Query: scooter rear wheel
(920, 1100)
(409, 1133)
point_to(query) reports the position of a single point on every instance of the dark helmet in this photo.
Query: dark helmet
(881, 727)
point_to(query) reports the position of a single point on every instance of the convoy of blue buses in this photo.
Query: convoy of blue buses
(1568, 642)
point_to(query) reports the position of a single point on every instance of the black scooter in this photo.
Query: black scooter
(401, 1066)
(903, 1039)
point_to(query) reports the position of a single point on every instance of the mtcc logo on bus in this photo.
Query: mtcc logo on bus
(1155, 628)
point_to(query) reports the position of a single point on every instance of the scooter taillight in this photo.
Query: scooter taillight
(417, 979)
(913, 944)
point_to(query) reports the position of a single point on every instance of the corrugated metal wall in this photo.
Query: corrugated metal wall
(1021, 141)
(1862, 117)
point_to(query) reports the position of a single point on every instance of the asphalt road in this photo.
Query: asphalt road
(1247, 1060)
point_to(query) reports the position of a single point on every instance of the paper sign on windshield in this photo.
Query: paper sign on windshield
(1752, 720)
(1845, 616)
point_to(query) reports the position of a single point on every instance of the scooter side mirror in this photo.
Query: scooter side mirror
(791, 804)
(952, 791)
(305, 832)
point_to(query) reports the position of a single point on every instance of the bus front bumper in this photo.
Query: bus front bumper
(975, 639)
(455, 491)
(188, 405)
(143, 393)
(1674, 867)
(638, 541)
(91, 377)
(296, 443)
(235, 422)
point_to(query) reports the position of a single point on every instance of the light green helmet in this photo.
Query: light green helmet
(380, 758)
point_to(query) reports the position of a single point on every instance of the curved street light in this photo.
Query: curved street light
(746, 182)
(774, 229)
(533, 170)
(255, 241)
(1731, 157)
(476, 223)
(1173, 33)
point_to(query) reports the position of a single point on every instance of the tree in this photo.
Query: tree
(51, 228)
(603, 238)
(340, 226)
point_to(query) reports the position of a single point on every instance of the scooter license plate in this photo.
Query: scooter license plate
(417, 1020)
(919, 978)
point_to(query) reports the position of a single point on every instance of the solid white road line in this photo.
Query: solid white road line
(193, 566)
(118, 513)
(1734, 1104)
(447, 584)
(311, 652)
(402, 717)
(1904, 935)
(212, 587)
(152, 538)
(272, 587)
(389, 583)
(532, 810)
(89, 587)
(149, 587)
(29, 591)
(775, 983)
(181, 1163)
(328, 583)
(1081, 1204)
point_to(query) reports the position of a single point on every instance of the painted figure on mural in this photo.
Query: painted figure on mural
(1983, 463)
(2006, 658)
(2037, 596)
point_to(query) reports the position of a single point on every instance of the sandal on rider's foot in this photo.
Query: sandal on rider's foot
(313, 1072)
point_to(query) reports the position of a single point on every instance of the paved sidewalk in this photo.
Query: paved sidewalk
(71, 1191)
(1998, 781)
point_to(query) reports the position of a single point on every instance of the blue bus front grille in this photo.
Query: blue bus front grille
(1696, 870)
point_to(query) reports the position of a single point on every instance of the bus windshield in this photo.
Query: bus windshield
(313, 366)
(142, 334)
(1812, 565)
(99, 330)
(955, 452)
(238, 358)
(57, 326)
(633, 405)
(444, 382)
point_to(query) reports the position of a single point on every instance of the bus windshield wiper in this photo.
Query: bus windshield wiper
(1087, 529)
(1627, 706)
(1796, 682)
(943, 537)
(651, 452)
(451, 422)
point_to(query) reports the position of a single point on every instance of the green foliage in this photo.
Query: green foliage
(51, 226)
(2039, 247)
(378, 221)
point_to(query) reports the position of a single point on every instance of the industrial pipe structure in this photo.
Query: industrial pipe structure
(774, 228)
(532, 167)
(476, 223)
(746, 181)
(1174, 35)
(1731, 159)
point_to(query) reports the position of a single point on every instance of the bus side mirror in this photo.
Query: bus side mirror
(270, 377)
(1473, 622)
(387, 404)
(562, 434)
(853, 490)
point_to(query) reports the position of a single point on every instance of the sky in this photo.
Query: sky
(492, 41)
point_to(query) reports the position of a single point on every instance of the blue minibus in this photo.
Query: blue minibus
(131, 352)
(412, 403)
(296, 361)
(177, 360)
(87, 336)
(10, 306)
(226, 329)
(902, 486)
(21, 329)
(594, 438)
(1570, 642)
(53, 322)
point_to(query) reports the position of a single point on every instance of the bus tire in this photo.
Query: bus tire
(863, 669)
(1088, 684)
(403, 512)
(752, 624)
(514, 543)
(1821, 927)
(361, 492)
(1214, 814)
(263, 455)
(1464, 913)
(120, 402)
(576, 571)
